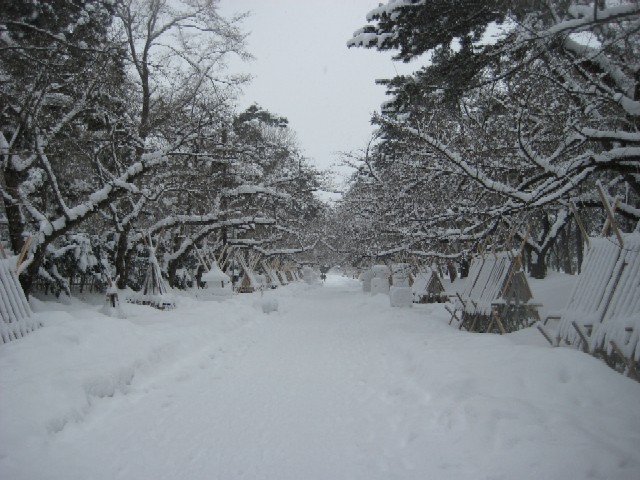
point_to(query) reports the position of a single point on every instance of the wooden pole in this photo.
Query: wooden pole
(609, 212)
(23, 252)
(544, 333)
(221, 256)
(516, 264)
(607, 223)
(453, 314)
(495, 316)
(629, 362)
(524, 242)
(583, 232)
(464, 310)
(582, 336)
(204, 264)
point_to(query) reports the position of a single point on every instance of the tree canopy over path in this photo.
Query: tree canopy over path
(519, 110)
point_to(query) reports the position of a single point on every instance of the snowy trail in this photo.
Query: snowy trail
(339, 385)
(278, 402)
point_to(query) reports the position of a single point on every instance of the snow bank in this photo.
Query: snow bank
(80, 357)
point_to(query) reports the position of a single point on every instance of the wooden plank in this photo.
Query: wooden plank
(512, 234)
(513, 268)
(475, 317)
(583, 337)
(488, 330)
(500, 326)
(222, 253)
(23, 252)
(607, 223)
(201, 258)
(464, 308)
(591, 291)
(544, 333)
(8, 311)
(524, 241)
(612, 290)
(18, 300)
(549, 317)
(495, 316)
(453, 314)
(630, 363)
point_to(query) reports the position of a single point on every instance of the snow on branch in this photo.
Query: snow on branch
(368, 36)
(472, 172)
(248, 189)
(285, 251)
(188, 243)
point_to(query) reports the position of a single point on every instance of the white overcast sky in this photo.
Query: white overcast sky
(304, 71)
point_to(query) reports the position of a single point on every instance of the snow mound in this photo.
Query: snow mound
(269, 305)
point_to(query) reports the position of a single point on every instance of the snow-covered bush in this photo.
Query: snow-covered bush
(76, 263)
(380, 281)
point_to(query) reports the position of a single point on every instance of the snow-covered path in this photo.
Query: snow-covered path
(338, 385)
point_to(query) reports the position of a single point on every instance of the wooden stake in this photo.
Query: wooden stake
(524, 242)
(473, 323)
(453, 314)
(483, 247)
(206, 267)
(614, 287)
(609, 211)
(583, 232)
(229, 253)
(583, 337)
(630, 363)
(516, 264)
(464, 310)
(254, 258)
(509, 239)
(607, 223)
(544, 333)
(495, 317)
(223, 251)
(23, 252)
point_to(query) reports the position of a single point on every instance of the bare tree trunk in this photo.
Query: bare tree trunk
(567, 266)
(121, 258)
(579, 249)
(31, 272)
(539, 266)
(15, 221)
(172, 268)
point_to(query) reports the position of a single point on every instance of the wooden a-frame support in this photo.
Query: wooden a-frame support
(578, 219)
(611, 221)
(623, 261)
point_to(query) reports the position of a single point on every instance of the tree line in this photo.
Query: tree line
(522, 113)
(119, 125)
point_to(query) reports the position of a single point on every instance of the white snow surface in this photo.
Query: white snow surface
(336, 384)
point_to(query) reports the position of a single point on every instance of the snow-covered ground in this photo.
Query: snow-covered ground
(336, 384)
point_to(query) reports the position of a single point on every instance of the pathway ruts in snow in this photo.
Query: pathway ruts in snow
(336, 385)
